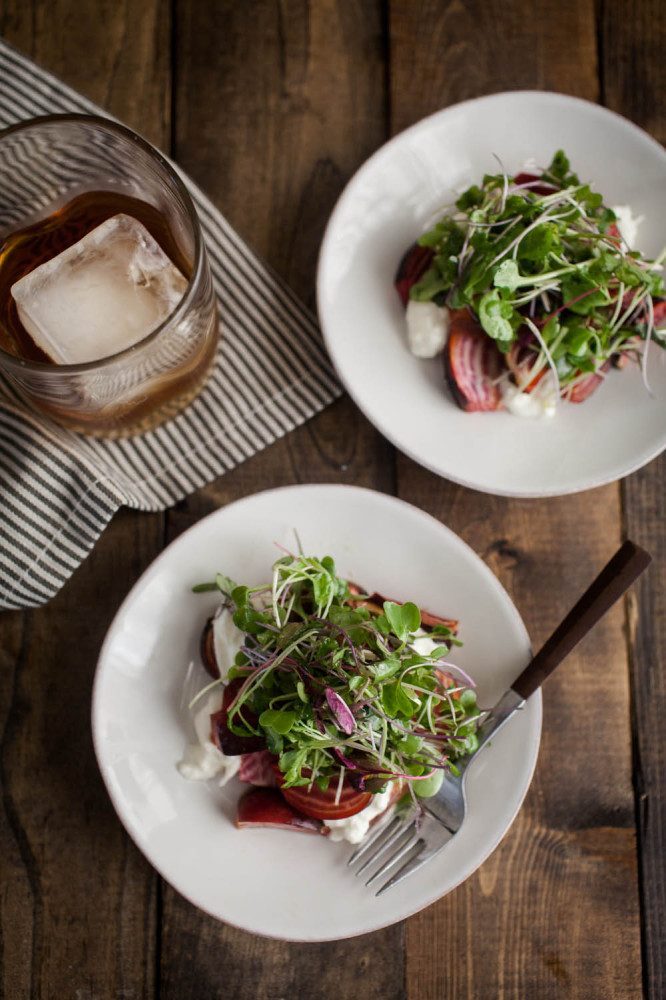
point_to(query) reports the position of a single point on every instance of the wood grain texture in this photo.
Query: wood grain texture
(474, 47)
(116, 52)
(272, 122)
(77, 908)
(541, 912)
(276, 104)
(633, 70)
(554, 912)
(645, 517)
(634, 74)
(257, 128)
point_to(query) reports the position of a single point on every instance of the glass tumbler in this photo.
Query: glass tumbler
(44, 164)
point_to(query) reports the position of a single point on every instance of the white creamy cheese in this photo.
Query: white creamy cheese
(203, 760)
(354, 828)
(628, 224)
(227, 640)
(540, 402)
(423, 644)
(427, 328)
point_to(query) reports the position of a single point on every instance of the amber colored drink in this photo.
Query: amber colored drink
(135, 383)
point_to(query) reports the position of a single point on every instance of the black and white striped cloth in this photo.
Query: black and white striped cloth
(58, 490)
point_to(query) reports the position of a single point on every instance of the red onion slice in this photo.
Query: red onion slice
(341, 712)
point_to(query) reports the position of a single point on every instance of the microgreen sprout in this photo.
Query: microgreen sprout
(333, 682)
(521, 255)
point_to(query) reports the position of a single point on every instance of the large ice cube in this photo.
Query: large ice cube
(101, 295)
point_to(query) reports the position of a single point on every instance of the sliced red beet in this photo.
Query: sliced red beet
(266, 807)
(659, 307)
(630, 353)
(430, 621)
(412, 267)
(322, 805)
(520, 358)
(207, 650)
(613, 233)
(228, 742)
(375, 602)
(584, 389)
(532, 180)
(258, 769)
(472, 363)
(447, 681)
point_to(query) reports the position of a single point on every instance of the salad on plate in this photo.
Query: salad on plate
(531, 290)
(330, 704)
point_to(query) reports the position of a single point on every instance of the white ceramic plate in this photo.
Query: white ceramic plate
(391, 201)
(274, 882)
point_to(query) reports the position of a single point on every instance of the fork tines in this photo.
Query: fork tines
(398, 838)
(394, 839)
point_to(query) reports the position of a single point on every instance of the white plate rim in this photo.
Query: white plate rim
(153, 569)
(370, 163)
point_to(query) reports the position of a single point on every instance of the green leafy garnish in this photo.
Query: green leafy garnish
(521, 253)
(333, 684)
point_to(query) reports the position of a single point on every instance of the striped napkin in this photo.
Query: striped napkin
(58, 489)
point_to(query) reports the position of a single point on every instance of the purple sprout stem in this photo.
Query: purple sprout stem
(338, 628)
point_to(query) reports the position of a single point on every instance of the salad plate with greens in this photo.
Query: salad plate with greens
(490, 270)
(531, 289)
(331, 704)
(259, 705)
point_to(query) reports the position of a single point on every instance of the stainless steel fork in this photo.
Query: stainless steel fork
(415, 835)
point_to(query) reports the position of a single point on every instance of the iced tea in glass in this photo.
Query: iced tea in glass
(108, 319)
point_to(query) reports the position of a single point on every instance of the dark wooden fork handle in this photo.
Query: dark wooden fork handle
(615, 578)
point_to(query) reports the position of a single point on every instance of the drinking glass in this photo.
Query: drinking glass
(44, 164)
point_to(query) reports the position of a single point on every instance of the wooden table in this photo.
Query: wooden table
(270, 107)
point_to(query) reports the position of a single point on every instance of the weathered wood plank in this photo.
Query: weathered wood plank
(644, 498)
(633, 70)
(78, 900)
(115, 53)
(554, 912)
(634, 75)
(271, 123)
(474, 48)
(79, 903)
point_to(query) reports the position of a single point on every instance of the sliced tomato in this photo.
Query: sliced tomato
(322, 805)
